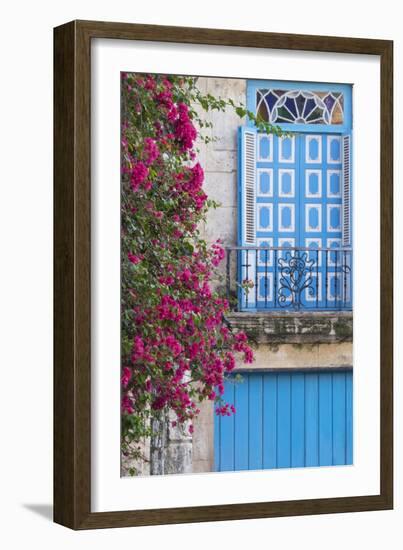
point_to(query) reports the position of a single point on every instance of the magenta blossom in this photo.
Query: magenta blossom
(138, 175)
(176, 349)
(151, 151)
(126, 375)
(127, 405)
(133, 258)
(174, 345)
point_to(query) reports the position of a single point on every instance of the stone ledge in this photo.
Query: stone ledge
(305, 368)
(314, 327)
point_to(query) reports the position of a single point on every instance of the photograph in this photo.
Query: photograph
(198, 295)
(236, 264)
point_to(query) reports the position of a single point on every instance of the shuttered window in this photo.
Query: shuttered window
(346, 199)
(248, 185)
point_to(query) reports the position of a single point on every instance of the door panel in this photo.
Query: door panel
(277, 208)
(320, 205)
(299, 189)
(286, 420)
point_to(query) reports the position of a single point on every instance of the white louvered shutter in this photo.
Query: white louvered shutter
(248, 186)
(247, 205)
(346, 199)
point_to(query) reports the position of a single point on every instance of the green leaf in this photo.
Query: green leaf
(240, 111)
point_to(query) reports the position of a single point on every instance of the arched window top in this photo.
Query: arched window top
(307, 104)
(300, 106)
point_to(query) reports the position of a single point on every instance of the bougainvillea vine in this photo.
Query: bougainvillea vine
(176, 347)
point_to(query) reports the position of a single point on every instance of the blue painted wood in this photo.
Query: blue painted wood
(298, 420)
(270, 421)
(227, 434)
(247, 142)
(241, 436)
(255, 422)
(245, 134)
(339, 418)
(349, 418)
(325, 420)
(286, 420)
(299, 202)
(312, 419)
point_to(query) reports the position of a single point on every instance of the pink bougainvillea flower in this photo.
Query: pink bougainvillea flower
(173, 345)
(176, 349)
(126, 375)
(133, 258)
(138, 175)
(197, 176)
(185, 132)
(151, 151)
(127, 405)
(138, 347)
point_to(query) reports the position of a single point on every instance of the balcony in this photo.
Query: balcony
(291, 279)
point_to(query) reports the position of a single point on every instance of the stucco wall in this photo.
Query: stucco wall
(219, 159)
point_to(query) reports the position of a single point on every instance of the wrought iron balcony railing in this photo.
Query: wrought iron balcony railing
(271, 278)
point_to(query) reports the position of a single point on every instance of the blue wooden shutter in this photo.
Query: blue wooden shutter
(346, 199)
(247, 186)
(247, 211)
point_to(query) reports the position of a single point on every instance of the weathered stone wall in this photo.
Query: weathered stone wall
(168, 451)
(203, 439)
(219, 160)
(302, 356)
(170, 448)
(304, 327)
(141, 466)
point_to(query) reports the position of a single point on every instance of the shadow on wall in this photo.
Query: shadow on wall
(44, 510)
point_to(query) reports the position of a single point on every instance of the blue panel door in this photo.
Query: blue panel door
(277, 199)
(286, 420)
(321, 188)
(299, 188)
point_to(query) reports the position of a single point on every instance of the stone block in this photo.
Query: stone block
(178, 458)
(221, 187)
(221, 224)
(335, 355)
(220, 161)
(300, 356)
(274, 327)
(225, 124)
(203, 435)
(202, 466)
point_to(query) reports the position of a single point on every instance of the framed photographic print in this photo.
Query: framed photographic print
(223, 275)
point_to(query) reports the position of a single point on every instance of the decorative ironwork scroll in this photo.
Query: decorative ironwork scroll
(295, 276)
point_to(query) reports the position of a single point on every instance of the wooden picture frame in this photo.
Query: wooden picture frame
(72, 270)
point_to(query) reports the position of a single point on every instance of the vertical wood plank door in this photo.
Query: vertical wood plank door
(286, 420)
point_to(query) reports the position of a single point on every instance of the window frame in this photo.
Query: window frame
(347, 89)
